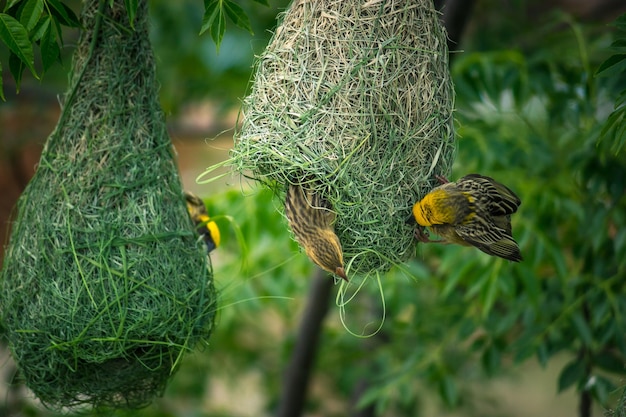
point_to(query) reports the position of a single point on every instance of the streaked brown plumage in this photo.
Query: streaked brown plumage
(475, 210)
(207, 228)
(312, 222)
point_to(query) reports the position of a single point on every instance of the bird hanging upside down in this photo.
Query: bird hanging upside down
(311, 220)
(208, 230)
(475, 210)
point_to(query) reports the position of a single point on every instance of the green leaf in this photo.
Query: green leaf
(448, 391)
(1, 86)
(491, 360)
(58, 28)
(620, 22)
(15, 36)
(237, 15)
(490, 290)
(612, 66)
(370, 396)
(30, 13)
(263, 2)
(211, 10)
(573, 372)
(582, 328)
(618, 45)
(10, 4)
(63, 13)
(40, 28)
(218, 29)
(601, 388)
(610, 361)
(621, 100)
(214, 21)
(16, 66)
(131, 9)
(50, 50)
(532, 286)
(453, 278)
(613, 130)
(543, 354)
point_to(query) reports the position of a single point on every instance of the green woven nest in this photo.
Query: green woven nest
(357, 96)
(105, 285)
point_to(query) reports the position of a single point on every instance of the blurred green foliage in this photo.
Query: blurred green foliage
(614, 129)
(533, 118)
(191, 67)
(28, 25)
(37, 34)
(455, 316)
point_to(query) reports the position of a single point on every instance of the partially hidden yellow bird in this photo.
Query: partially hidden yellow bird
(312, 221)
(473, 211)
(207, 228)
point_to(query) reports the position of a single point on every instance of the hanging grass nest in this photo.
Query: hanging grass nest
(354, 97)
(104, 285)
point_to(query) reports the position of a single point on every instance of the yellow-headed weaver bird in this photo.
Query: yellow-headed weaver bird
(208, 230)
(312, 222)
(475, 210)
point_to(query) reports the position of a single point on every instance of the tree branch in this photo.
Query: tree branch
(298, 373)
(456, 14)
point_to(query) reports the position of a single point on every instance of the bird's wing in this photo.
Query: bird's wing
(504, 223)
(195, 205)
(322, 210)
(505, 248)
(480, 230)
(490, 237)
(307, 209)
(497, 198)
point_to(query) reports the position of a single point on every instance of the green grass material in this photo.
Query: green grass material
(104, 285)
(355, 98)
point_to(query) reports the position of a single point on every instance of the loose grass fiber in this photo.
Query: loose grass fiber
(355, 98)
(104, 285)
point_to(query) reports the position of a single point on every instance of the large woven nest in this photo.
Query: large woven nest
(105, 285)
(356, 96)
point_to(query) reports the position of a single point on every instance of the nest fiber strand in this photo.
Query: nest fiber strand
(104, 285)
(355, 97)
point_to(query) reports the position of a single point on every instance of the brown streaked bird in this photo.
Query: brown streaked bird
(208, 230)
(312, 222)
(473, 211)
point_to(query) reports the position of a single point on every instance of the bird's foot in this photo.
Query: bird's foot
(442, 179)
(422, 235)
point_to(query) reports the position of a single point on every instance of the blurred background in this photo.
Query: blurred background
(463, 334)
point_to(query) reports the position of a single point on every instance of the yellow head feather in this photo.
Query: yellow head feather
(440, 206)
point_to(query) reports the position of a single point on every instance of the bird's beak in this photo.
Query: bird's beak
(210, 245)
(410, 219)
(341, 273)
